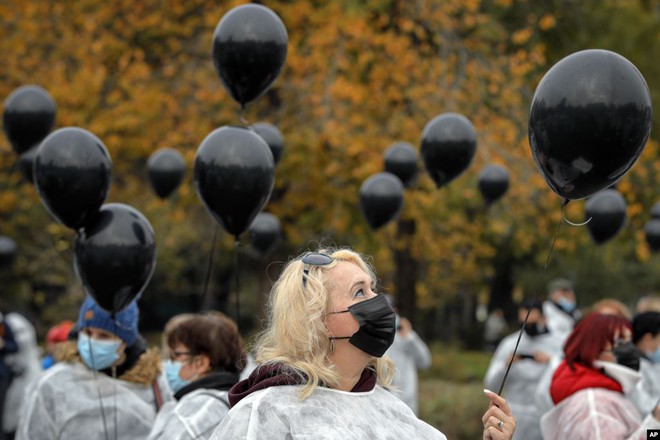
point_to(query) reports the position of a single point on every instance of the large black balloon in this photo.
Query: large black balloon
(72, 175)
(26, 163)
(234, 176)
(652, 233)
(493, 182)
(166, 169)
(401, 160)
(265, 232)
(273, 137)
(449, 142)
(655, 211)
(28, 117)
(607, 211)
(381, 198)
(7, 251)
(249, 50)
(115, 255)
(589, 122)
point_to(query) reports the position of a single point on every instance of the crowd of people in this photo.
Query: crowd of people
(335, 360)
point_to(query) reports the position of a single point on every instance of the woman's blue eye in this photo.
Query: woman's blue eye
(359, 293)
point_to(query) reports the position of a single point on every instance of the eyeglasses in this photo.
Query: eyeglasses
(314, 259)
(175, 354)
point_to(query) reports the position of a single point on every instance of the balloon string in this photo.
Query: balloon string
(563, 213)
(209, 266)
(522, 328)
(96, 381)
(238, 307)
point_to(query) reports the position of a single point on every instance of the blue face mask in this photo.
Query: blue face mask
(172, 370)
(97, 354)
(654, 356)
(566, 305)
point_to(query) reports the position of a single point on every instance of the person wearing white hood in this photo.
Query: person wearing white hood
(560, 309)
(590, 388)
(26, 366)
(537, 348)
(646, 336)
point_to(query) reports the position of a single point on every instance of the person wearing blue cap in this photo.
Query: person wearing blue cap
(106, 384)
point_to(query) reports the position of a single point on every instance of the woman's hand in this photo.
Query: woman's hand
(656, 413)
(499, 423)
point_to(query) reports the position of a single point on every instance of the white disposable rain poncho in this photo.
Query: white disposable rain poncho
(647, 391)
(64, 404)
(278, 413)
(523, 379)
(26, 367)
(195, 416)
(559, 322)
(250, 365)
(409, 354)
(596, 414)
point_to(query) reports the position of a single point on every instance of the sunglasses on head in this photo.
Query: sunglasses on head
(314, 259)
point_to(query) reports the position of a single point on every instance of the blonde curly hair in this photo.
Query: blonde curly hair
(296, 335)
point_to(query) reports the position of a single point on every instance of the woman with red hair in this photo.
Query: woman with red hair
(589, 387)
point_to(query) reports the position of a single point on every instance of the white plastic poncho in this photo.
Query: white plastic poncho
(647, 392)
(26, 366)
(195, 416)
(64, 404)
(596, 414)
(558, 321)
(409, 354)
(279, 413)
(523, 379)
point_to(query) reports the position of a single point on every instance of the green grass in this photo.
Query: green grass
(451, 394)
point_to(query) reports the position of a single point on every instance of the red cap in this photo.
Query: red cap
(60, 332)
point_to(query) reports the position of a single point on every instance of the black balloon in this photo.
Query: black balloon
(7, 251)
(589, 122)
(265, 232)
(493, 182)
(72, 175)
(607, 211)
(449, 142)
(652, 233)
(166, 169)
(401, 160)
(26, 163)
(234, 176)
(249, 50)
(381, 198)
(273, 137)
(115, 255)
(655, 211)
(28, 117)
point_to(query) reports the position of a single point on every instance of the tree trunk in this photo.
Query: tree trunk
(406, 270)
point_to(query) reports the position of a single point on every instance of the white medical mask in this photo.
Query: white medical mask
(98, 354)
(627, 377)
(566, 304)
(172, 370)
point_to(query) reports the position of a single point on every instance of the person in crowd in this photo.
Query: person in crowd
(55, 336)
(8, 346)
(172, 323)
(494, 329)
(537, 348)
(205, 359)
(611, 306)
(591, 385)
(25, 366)
(560, 309)
(409, 354)
(648, 303)
(105, 384)
(321, 369)
(646, 336)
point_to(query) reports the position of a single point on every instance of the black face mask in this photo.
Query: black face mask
(627, 355)
(377, 325)
(534, 329)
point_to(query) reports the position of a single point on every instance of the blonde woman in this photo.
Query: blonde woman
(321, 374)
